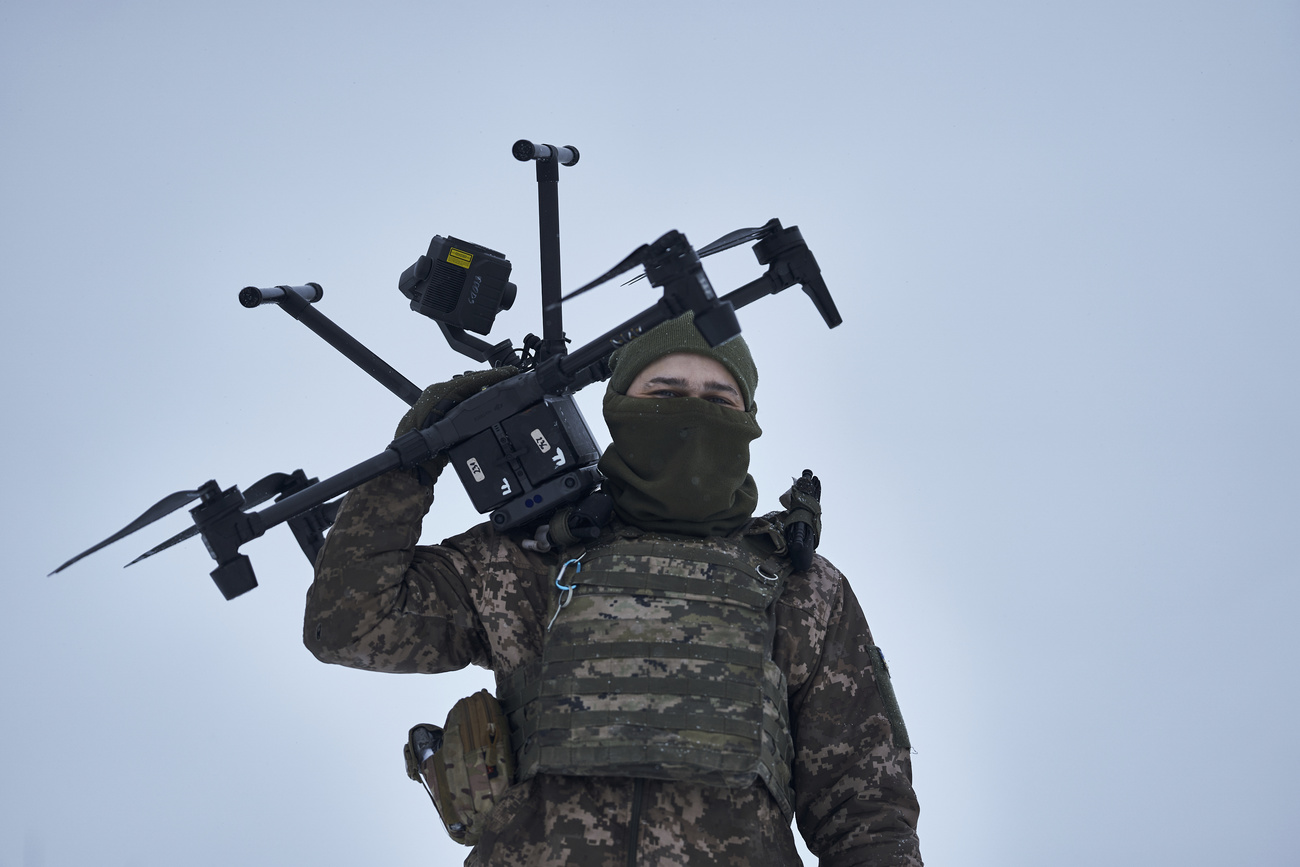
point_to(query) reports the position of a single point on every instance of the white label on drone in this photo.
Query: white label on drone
(475, 470)
(541, 440)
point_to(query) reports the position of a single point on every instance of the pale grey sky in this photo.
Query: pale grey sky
(1057, 428)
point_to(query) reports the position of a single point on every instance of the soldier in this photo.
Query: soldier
(677, 693)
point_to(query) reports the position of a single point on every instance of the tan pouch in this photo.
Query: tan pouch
(465, 766)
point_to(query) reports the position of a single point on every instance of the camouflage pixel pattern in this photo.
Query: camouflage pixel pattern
(658, 665)
(381, 603)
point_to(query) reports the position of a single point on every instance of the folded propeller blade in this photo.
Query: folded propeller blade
(163, 507)
(258, 493)
(636, 257)
(174, 540)
(265, 488)
(732, 239)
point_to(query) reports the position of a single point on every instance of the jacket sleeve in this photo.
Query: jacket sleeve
(381, 603)
(852, 770)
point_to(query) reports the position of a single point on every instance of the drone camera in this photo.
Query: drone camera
(459, 284)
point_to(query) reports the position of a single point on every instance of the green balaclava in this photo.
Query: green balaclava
(680, 465)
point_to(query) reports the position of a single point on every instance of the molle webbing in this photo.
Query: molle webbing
(660, 666)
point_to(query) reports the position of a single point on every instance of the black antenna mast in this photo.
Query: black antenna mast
(549, 158)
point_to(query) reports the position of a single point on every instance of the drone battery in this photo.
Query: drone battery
(484, 471)
(541, 443)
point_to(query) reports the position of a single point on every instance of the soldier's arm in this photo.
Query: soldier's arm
(380, 603)
(852, 771)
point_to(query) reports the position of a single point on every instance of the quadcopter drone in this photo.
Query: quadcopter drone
(521, 448)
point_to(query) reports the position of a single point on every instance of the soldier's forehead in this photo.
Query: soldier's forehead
(688, 365)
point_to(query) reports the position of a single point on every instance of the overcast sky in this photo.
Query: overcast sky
(1057, 429)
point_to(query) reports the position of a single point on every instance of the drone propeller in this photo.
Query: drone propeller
(636, 257)
(259, 492)
(162, 508)
(726, 242)
(732, 239)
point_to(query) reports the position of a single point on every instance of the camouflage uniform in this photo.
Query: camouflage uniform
(381, 603)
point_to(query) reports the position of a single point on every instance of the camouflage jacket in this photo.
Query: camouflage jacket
(382, 603)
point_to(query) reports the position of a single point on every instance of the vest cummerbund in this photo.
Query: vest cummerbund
(659, 666)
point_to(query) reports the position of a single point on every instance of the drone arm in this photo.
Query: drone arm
(225, 526)
(471, 416)
(789, 262)
(579, 367)
(768, 284)
(297, 302)
(322, 491)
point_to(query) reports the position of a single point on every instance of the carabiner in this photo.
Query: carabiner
(566, 590)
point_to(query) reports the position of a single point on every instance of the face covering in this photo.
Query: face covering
(680, 465)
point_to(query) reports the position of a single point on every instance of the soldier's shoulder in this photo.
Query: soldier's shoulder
(485, 549)
(815, 589)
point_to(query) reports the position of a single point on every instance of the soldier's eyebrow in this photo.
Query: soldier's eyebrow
(679, 382)
(675, 381)
(720, 386)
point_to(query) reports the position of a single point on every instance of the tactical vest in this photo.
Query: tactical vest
(658, 664)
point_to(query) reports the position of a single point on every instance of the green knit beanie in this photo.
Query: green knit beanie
(680, 335)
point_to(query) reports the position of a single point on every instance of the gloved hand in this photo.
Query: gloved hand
(436, 400)
(803, 519)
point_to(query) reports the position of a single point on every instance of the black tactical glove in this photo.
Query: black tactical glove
(437, 399)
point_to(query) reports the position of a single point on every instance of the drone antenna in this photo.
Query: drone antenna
(549, 158)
